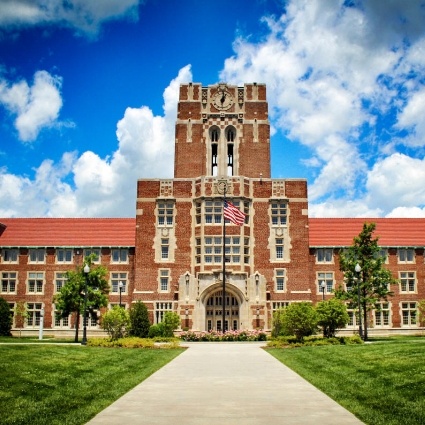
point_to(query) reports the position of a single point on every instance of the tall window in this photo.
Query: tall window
(328, 279)
(61, 322)
(35, 283)
(280, 279)
(213, 212)
(164, 280)
(212, 250)
(409, 313)
(64, 255)
(37, 255)
(382, 314)
(164, 248)
(407, 282)
(160, 309)
(34, 314)
(165, 213)
(60, 280)
(120, 255)
(9, 255)
(279, 248)
(406, 255)
(324, 255)
(116, 278)
(278, 213)
(8, 282)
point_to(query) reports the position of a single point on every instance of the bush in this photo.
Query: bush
(156, 330)
(116, 322)
(139, 320)
(332, 314)
(292, 341)
(5, 318)
(245, 335)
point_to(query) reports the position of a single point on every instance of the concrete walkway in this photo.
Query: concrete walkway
(225, 384)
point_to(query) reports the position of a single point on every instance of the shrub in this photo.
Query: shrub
(139, 320)
(244, 335)
(332, 314)
(171, 322)
(156, 330)
(5, 318)
(116, 322)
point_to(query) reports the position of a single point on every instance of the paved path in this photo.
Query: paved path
(225, 384)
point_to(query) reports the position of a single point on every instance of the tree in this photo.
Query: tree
(5, 318)
(116, 322)
(70, 298)
(166, 328)
(332, 314)
(373, 281)
(139, 319)
(299, 319)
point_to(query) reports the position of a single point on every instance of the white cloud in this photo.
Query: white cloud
(85, 16)
(35, 107)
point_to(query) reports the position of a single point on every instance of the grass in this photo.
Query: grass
(69, 384)
(382, 383)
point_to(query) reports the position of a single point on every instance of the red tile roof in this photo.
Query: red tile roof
(72, 232)
(404, 232)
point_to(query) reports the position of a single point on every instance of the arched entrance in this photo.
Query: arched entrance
(214, 312)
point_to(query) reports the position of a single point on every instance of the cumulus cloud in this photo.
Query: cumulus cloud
(35, 107)
(82, 15)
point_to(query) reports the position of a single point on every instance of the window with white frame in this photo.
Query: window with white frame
(8, 282)
(116, 278)
(95, 251)
(165, 247)
(279, 213)
(119, 255)
(161, 308)
(9, 255)
(37, 255)
(35, 282)
(246, 251)
(328, 279)
(165, 213)
(34, 314)
(406, 255)
(382, 314)
(12, 312)
(61, 322)
(277, 305)
(324, 255)
(211, 252)
(64, 255)
(352, 320)
(279, 248)
(409, 314)
(407, 282)
(279, 279)
(164, 280)
(213, 211)
(60, 280)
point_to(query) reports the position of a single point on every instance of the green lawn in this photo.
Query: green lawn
(382, 382)
(69, 384)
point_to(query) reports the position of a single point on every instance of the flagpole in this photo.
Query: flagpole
(224, 266)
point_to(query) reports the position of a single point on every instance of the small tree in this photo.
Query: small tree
(21, 314)
(171, 322)
(116, 322)
(139, 319)
(5, 318)
(277, 323)
(299, 319)
(332, 314)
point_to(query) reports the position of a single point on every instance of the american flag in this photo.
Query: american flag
(233, 214)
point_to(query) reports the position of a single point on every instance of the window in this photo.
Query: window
(9, 255)
(324, 255)
(164, 280)
(95, 251)
(60, 280)
(120, 255)
(213, 250)
(165, 213)
(352, 319)
(280, 279)
(407, 282)
(409, 314)
(64, 255)
(278, 212)
(406, 255)
(34, 314)
(35, 283)
(279, 248)
(328, 278)
(61, 322)
(8, 282)
(116, 278)
(12, 312)
(160, 309)
(277, 305)
(36, 255)
(382, 314)
(164, 248)
(213, 212)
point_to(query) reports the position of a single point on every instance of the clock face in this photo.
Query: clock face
(223, 100)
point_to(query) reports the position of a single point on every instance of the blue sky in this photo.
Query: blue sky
(88, 96)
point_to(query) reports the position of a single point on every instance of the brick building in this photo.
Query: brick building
(171, 255)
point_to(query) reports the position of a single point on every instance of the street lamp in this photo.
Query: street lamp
(86, 272)
(358, 269)
(120, 285)
(323, 286)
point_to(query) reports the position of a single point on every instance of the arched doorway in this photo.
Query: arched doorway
(214, 312)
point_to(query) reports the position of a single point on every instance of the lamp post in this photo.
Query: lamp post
(323, 286)
(86, 272)
(120, 286)
(358, 269)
